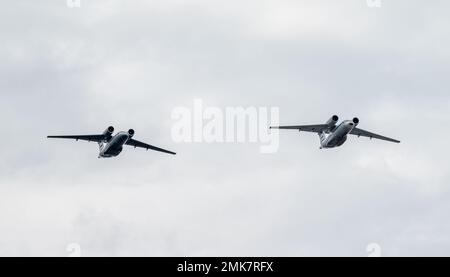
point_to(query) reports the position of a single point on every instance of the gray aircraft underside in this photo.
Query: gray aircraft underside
(333, 135)
(111, 145)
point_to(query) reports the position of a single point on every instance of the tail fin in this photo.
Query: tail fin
(322, 137)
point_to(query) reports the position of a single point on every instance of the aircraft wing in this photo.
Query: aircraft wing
(96, 138)
(136, 143)
(359, 132)
(305, 128)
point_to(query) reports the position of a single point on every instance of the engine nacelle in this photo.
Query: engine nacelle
(108, 132)
(356, 121)
(131, 133)
(333, 120)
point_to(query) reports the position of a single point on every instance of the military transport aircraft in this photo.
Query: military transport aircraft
(111, 145)
(332, 134)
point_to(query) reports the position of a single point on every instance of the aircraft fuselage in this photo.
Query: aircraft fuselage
(336, 136)
(114, 146)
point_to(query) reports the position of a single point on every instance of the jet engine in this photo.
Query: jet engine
(131, 133)
(108, 132)
(356, 121)
(333, 120)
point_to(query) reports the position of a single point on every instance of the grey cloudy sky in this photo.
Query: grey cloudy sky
(78, 70)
